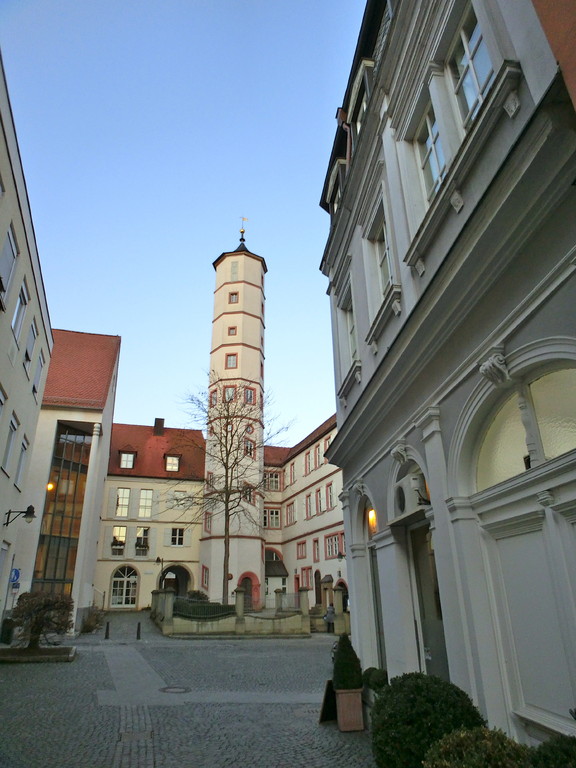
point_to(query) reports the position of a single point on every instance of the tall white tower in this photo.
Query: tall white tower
(234, 441)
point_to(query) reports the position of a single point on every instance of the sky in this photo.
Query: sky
(147, 130)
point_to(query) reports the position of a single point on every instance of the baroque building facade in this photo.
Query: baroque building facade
(450, 261)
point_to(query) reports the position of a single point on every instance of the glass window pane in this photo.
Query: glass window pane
(503, 448)
(482, 66)
(554, 398)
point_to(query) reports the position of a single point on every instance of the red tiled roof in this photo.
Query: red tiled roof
(275, 456)
(81, 369)
(151, 448)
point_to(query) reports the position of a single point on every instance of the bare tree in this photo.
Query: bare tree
(232, 414)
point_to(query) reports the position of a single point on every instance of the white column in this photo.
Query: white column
(81, 588)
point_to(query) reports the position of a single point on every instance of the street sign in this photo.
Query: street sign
(14, 575)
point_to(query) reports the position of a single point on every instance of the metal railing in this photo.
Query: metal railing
(201, 610)
(284, 601)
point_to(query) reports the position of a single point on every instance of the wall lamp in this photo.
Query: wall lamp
(340, 557)
(29, 515)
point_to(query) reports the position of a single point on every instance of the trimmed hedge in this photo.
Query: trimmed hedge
(477, 748)
(558, 752)
(414, 712)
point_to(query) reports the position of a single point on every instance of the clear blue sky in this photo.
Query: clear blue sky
(147, 128)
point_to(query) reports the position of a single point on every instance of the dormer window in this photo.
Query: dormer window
(127, 459)
(172, 463)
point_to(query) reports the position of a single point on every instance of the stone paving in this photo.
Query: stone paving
(175, 703)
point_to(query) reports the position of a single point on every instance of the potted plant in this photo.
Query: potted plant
(347, 682)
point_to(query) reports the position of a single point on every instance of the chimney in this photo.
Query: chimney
(158, 426)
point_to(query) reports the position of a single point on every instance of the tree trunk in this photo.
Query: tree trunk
(226, 556)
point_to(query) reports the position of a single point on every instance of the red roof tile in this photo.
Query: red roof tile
(81, 369)
(151, 449)
(275, 456)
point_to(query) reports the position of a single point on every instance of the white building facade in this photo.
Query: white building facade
(25, 349)
(150, 522)
(450, 262)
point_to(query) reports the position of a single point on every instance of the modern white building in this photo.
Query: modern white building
(451, 260)
(69, 464)
(25, 350)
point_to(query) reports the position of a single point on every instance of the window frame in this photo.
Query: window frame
(124, 505)
(467, 110)
(145, 503)
(127, 459)
(169, 460)
(431, 154)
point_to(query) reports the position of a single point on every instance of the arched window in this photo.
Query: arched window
(535, 424)
(124, 586)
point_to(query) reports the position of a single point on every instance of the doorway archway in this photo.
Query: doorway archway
(124, 587)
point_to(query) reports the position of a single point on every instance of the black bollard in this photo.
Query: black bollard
(107, 632)
(138, 631)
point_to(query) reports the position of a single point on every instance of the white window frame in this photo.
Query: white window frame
(127, 459)
(122, 502)
(172, 463)
(8, 257)
(20, 309)
(469, 88)
(145, 502)
(10, 439)
(431, 153)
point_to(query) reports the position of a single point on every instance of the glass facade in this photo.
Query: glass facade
(58, 543)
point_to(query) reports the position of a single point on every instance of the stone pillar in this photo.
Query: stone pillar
(154, 605)
(168, 620)
(304, 601)
(239, 594)
(278, 599)
(240, 625)
(339, 618)
(304, 608)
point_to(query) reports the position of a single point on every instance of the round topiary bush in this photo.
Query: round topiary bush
(477, 748)
(412, 713)
(375, 678)
(558, 752)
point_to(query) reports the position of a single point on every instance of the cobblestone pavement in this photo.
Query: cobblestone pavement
(158, 702)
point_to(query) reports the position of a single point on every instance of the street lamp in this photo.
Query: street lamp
(29, 515)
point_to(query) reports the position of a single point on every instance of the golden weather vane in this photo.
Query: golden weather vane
(242, 230)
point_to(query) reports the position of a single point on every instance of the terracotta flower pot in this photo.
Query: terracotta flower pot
(349, 710)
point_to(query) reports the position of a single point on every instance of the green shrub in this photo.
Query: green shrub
(197, 594)
(92, 620)
(558, 752)
(42, 613)
(347, 670)
(412, 713)
(375, 678)
(477, 748)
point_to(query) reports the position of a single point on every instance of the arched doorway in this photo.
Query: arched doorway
(124, 587)
(318, 587)
(177, 578)
(246, 585)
